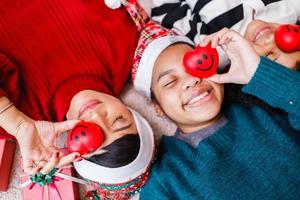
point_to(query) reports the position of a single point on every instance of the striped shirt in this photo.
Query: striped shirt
(196, 18)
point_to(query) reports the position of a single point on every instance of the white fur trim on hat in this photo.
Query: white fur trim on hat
(142, 81)
(113, 4)
(137, 167)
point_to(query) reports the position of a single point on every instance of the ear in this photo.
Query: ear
(158, 110)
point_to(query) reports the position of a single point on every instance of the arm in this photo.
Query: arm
(279, 86)
(9, 79)
(36, 138)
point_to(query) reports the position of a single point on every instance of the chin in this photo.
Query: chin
(207, 115)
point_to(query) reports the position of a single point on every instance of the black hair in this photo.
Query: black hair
(119, 153)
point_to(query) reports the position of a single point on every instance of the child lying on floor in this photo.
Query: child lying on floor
(222, 151)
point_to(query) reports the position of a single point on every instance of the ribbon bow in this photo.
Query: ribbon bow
(47, 182)
(43, 179)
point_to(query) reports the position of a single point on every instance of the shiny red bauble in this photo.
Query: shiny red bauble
(201, 62)
(287, 37)
(84, 138)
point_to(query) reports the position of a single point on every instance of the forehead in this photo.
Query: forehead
(171, 57)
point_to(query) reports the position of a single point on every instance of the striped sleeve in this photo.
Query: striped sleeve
(197, 18)
(194, 18)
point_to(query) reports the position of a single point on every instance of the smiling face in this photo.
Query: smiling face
(192, 103)
(84, 138)
(104, 110)
(260, 35)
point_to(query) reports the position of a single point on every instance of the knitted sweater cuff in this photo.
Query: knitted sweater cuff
(275, 84)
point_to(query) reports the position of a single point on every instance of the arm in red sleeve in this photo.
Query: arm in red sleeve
(9, 76)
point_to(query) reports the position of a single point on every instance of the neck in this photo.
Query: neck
(186, 129)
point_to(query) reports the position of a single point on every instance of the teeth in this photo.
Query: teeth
(197, 98)
(261, 33)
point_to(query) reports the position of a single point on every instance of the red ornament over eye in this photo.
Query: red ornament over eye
(84, 138)
(201, 62)
(287, 37)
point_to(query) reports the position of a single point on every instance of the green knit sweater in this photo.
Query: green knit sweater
(254, 156)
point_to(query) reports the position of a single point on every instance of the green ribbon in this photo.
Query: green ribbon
(43, 179)
(96, 197)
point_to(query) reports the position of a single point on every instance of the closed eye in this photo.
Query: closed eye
(120, 123)
(118, 119)
(169, 83)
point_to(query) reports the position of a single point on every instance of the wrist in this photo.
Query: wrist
(255, 60)
(23, 126)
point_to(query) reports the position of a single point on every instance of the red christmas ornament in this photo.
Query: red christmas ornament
(287, 37)
(84, 138)
(201, 62)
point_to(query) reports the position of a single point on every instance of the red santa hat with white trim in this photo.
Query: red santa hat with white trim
(153, 40)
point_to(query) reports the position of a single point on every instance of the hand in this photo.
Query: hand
(244, 60)
(37, 144)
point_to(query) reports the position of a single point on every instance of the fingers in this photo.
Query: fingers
(214, 38)
(53, 161)
(206, 40)
(226, 38)
(29, 167)
(220, 78)
(67, 159)
(61, 127)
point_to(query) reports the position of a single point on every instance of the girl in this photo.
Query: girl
(61, 60)
(221, 151)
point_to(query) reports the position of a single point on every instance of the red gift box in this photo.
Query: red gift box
(60, 189)
(7, 152)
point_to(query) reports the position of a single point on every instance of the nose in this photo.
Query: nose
(190, 82)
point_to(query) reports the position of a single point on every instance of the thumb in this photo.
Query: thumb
(61, 127)
(205, 40)
(220, 78)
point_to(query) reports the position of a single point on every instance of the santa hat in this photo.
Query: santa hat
(153, 40)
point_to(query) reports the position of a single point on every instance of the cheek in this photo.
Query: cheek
(115, 107)
(219, 91)
(171, 102)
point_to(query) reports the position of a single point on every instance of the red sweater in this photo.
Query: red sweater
(50, 50)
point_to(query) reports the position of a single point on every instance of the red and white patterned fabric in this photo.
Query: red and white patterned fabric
(153, 40)
(151, 32)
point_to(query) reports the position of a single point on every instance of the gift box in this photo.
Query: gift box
(58, 189)
(7, 152)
